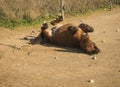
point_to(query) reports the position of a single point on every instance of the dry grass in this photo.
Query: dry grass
(25, 9)
(34, 8)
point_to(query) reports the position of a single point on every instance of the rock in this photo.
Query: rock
(29, 53)
(81, 21)
(32, 32)
(102, 41)
(117, 30)
(91, 81)
(94, 58)
(16, 47)
(55, 57)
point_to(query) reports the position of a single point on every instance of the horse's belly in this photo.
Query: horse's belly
(65, 39)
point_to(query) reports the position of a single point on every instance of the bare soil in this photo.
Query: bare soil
(46, 65)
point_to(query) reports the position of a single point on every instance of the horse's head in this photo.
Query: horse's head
(86, 28)
(87, 45)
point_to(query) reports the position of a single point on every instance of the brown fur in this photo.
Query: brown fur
(87, 45)
(71, 35)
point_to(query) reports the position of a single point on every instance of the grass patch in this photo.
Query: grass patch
(27, 21)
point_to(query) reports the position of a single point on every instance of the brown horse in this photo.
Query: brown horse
(69, 35)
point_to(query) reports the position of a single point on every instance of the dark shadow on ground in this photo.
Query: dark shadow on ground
(32, 40)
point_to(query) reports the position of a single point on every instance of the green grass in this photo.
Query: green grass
(14, 23)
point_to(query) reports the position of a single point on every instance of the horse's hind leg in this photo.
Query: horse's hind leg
(72, 29)
(86, 28)
(57, 20)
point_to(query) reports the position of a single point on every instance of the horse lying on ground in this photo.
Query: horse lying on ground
(69, 35)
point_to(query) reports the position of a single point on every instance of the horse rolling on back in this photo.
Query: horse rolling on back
(70, 35)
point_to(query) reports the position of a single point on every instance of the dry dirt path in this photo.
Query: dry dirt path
(23, 65)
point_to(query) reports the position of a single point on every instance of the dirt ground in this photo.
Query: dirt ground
(45, 65)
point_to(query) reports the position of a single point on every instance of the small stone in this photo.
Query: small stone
(89, 65)
(117, 30)
(81, 21)
(16, 47)
(91, 81)
(29, 53)
(94, 58)
(55, 57)
(32, 32)
(102, 41)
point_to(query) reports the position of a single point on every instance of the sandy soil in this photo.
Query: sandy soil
(25, 65)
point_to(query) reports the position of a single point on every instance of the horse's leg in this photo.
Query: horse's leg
(57, 20)
(72, 29)
(86, 28)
